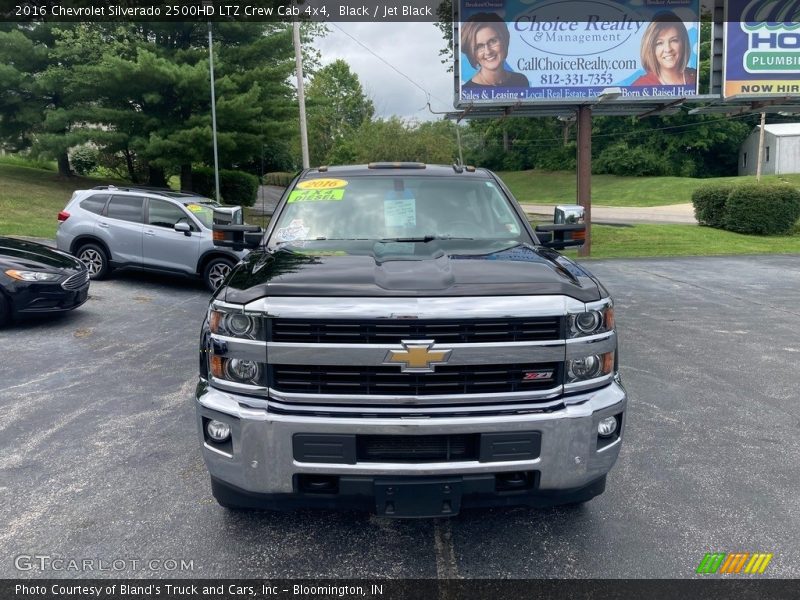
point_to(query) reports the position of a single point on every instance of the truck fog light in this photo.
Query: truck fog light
(218, 431)
(607, 426)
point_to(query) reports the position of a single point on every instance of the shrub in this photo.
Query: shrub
(636, 161)
(235, 187)
(281, 178)
(83, 159)
(709, 204)
(203, 181)
(764, 209)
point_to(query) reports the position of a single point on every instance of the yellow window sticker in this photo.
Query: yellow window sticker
(196, 208)
(315, 195)
(321, 184)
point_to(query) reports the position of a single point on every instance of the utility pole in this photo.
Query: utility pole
(213, 112)
(760, 147)
(585, 173)
(301, 96)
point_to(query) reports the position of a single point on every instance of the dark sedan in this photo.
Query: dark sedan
(37, 279)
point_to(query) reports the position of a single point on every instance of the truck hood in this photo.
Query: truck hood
(438, 268)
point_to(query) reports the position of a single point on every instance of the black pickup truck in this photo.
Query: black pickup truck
(401, 340)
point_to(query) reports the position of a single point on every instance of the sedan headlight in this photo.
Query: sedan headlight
(32, 275)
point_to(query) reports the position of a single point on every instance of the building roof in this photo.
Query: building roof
(782, 129)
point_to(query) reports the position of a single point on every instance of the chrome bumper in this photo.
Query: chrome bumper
(262, 461)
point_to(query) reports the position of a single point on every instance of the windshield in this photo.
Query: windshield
(417, 209)
(205, 214)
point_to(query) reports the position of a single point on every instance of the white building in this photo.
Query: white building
(781, 150)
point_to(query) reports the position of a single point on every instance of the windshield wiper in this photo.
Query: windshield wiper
(425, 239)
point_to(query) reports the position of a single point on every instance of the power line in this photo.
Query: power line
(428, 95)
(630, 133)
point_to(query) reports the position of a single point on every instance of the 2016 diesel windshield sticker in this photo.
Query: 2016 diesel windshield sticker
(317, 195)
(322, 184)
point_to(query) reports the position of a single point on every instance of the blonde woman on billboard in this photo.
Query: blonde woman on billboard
(665, 52)
(484, 39)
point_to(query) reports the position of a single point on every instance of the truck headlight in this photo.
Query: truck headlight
(236, 370)
(599, 318)
(237, 324)
(590, 367)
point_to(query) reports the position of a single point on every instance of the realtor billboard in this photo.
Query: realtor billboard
(512, 51)
(762, 48)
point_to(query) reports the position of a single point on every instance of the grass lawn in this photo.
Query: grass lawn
(30, 199)
(540, 187)
(682, 240)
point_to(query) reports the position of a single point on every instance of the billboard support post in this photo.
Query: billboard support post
(585, 173)
(761, 146)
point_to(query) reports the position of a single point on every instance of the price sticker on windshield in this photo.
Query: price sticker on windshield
(316, 195)
(321, 184)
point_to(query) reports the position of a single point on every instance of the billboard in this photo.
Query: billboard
(762, 49)
(511, 51)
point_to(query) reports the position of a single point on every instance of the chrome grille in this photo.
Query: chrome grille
(76, 281)
(388, 380)
(450, 331)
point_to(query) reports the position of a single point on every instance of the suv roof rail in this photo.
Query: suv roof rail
(137, 188)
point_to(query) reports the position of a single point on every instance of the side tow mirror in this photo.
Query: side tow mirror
(568, 214)
(238, 237)
(561, 236)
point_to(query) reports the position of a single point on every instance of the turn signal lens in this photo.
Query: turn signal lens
(217, 367)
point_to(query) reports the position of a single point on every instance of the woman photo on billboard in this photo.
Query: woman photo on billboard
(484, 40)
(665, 53)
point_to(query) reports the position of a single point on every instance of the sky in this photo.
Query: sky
(411, 48)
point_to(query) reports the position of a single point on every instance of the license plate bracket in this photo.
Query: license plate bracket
(418, 498)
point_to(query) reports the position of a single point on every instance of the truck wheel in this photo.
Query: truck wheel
(95, 259)
(216, 271)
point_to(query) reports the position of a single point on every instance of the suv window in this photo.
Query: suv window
(126, 208)
(95, 204)
(164, 214)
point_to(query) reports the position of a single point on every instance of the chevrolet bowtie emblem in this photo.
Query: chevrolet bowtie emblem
(417, 356)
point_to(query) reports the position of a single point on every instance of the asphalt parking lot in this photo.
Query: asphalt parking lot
(99, 457)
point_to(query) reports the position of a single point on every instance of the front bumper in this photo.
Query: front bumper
(260, 460)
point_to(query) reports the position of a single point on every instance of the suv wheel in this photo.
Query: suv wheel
(95, 259)
(216, 271)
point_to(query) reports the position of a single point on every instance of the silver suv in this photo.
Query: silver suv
(160, 230)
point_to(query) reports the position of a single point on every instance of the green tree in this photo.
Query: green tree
(141, 92)
(395, 140)
(337, 106)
